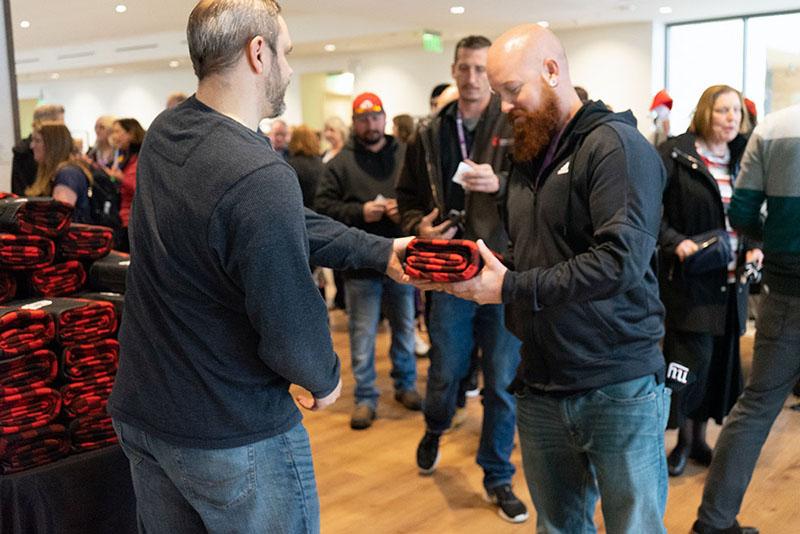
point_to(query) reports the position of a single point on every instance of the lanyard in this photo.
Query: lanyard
(462, 140)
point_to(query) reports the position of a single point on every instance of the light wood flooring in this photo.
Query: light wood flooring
(368, 481)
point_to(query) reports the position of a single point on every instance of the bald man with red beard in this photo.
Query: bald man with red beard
(583, 207)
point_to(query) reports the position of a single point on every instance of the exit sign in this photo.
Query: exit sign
(432, 41)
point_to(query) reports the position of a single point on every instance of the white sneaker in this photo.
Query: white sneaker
(420, 347)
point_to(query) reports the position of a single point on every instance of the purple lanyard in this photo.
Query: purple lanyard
(462, 140)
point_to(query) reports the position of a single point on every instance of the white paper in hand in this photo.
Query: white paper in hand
(380, 198)
(458, 177)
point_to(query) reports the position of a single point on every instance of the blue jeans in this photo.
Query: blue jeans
(607, 443)
(267, 486)
(365, 297)
(455, 326)
(776, 368)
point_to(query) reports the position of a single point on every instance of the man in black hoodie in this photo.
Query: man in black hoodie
(583, 206)
(358, 190)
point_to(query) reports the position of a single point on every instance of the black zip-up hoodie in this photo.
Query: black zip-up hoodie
(583, 297)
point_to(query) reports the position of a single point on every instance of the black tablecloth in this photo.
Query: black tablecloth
(89, 493)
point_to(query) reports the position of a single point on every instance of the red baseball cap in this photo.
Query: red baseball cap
(367, 102)
(662, 98)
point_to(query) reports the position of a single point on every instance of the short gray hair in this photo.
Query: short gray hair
(48, 112)
(219, 30)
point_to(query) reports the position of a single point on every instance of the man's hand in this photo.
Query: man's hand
(446, 230)
(373, 211)
(315, 404)
(686, 248)
(487, 287)
(755, 256)
(481, 178)
(392, 210)
(394, 269)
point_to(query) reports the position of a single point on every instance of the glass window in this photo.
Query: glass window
(773, 62)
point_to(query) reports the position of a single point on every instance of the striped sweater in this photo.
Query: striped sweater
(771, 171)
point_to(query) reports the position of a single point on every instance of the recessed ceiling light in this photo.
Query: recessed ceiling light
(666, 10)
(330, 47)
(24, 24)
(543, 23)
(108, 70)
(174, 63)
(121, 8)
(55, 76)
(457, 10)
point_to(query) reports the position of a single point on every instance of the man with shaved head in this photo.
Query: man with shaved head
(583, 207)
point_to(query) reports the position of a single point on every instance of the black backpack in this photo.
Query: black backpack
(104, 200)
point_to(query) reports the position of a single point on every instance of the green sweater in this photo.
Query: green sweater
(770, 172)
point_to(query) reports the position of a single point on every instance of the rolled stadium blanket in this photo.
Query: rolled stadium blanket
(117, 299)
(76, 320)
(35, 215)
(34, 369)
(6, 194)
(59, 279)
(21, 252)
(24, 330)
(108, 274)
(85, 242)
(22, 409)
(91, 432)
(87, 396)
(443, 260)
(8, 286)
(90, 360)
(32, 448)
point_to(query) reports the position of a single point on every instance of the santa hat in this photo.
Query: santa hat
(751, 107)
(662, 98)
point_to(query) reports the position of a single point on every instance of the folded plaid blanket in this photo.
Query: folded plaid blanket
(26, 408)
(87, 396)
(443, 260)
(32, 448)
(8, 286)
(18, 252)
(24, 331)
(108, 274)
(92, 432)
(6, 194)
(35, 215)
(90, 360)
(76, 320)
(59, 279)
(35, 369)
(85, 242)
(117, 299)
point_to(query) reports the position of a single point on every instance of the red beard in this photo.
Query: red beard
(534, 130)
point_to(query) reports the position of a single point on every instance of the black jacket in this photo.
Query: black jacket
(692, 205)
(421, 184)
(309, 170)
(584, 296)
(23, 167)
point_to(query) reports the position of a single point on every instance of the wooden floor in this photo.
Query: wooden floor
(368, 481)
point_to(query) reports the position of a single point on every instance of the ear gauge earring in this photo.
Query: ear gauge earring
(552, 82)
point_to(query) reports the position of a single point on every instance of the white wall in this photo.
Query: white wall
(616, 65)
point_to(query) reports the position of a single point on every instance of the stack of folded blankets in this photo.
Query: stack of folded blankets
(29, 435)
(443, 260)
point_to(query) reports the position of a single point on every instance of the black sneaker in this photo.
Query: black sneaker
(508, 506)
(702, 528)
(428, 453)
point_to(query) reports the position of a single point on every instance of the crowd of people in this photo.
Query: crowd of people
(610, 305)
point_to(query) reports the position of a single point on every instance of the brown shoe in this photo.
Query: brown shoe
(362, 417)
(409, 398)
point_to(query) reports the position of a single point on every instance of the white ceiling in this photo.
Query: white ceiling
(353, 25)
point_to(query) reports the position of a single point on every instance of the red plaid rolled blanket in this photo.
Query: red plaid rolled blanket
(6, 194)
(35, 369)
(59, 279)
(91, 360)
(87, 396)
(443, 260)
(18, 252)
(35, 215)
(92, 432)
(26, 408)
(8, 286)
(32, 448)
(24, 331)
(77, 320)
(85, 242)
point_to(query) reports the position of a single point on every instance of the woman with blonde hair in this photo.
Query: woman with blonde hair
(335, 133)
(102, 153)
(60, 172)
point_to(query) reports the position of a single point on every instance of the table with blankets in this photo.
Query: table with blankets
(58, 352)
